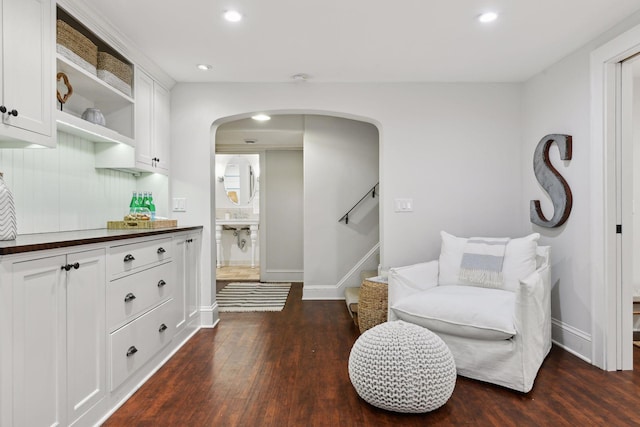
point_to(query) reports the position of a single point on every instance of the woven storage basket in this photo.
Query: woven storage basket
(115, 72)
(372, 304)
(72, 40)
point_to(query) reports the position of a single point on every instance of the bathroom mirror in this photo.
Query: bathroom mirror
(239, 180)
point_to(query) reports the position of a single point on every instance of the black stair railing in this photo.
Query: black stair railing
(371, 192)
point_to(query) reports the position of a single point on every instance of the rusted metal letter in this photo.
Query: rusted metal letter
(552, 182)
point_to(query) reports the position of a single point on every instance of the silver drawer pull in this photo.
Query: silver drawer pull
(128, 258)
(129, 297)
(162, 328)
(132, 350)
(161, 283)
(161, 250)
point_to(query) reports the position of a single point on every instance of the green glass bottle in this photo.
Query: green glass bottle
(145, 200)
(152, 206)
(133, 205)
(139, 200)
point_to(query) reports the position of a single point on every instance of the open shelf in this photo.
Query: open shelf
(107, 98)
(77, 126)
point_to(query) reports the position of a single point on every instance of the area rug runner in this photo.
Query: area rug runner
(244, 296)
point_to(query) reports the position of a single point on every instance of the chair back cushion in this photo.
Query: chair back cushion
(464, 311)
(519, 260)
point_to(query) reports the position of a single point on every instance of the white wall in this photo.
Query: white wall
(60, 190)
(282, 222)
(558, 101)
(453, 148)
(341, 166)
(636, 186)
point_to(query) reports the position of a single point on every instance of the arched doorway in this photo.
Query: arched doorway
(339, 163)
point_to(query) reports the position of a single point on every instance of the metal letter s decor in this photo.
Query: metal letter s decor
(552, 182)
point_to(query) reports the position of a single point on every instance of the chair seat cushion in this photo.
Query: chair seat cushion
(465, 311)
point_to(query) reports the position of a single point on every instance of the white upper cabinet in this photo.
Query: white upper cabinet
(152, 124)
(26, 73)
(152, 116)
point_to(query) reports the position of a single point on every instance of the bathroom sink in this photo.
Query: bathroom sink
(252, 224)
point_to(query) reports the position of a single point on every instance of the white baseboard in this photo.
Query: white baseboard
(209, 315)
(283, 276)
(571, 339)
(322, 293)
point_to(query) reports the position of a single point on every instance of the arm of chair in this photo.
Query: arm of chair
(533, 318)
(405, 281)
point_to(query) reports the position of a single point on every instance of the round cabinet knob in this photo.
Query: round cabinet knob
(161, 250)
(162, 328)
(13, 113)
(3, 109)
(76, 265)
(129, 258)
(129, 297)
(161, 283)
(132, 350)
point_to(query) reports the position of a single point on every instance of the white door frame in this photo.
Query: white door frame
(608, 291)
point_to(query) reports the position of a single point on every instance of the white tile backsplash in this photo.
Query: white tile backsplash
(60, 189)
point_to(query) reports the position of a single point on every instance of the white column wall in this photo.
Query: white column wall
(341, 165)
(283, 219)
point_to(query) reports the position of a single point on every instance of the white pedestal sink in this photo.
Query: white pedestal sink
(236, 223)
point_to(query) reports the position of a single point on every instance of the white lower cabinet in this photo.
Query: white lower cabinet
(58, 340)
(187, 259)
(82, 329)
(137, 342)
(140, 307)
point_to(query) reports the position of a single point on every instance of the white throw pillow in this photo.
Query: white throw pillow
(464, 311)
(519, 259)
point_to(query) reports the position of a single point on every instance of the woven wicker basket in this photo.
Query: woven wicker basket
(372, 304)
(116, 67)
(76, 42)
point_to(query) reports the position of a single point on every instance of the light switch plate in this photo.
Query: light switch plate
(404, 205)
(179, 204)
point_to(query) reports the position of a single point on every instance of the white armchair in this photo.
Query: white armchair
(498, 335)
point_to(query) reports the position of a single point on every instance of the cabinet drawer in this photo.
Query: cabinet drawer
(131, 295)
(129, 258)
(136, 343)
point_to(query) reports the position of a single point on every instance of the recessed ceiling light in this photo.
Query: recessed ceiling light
(488, 17)
(261, 117)
(233, 16)
(204, 67)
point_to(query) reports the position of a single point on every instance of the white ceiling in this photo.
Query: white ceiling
(360, 40)
(284, 131)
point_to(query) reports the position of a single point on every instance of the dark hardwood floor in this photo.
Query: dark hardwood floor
(290, 369)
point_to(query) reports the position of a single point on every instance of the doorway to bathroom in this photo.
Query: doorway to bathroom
(272, 202)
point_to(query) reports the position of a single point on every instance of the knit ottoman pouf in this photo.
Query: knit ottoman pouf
(402, 367)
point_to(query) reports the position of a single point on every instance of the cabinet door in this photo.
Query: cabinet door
(192, 276)
(86, 337)
(180, 292)
(27, 64)
(162, 128)
(144, 120)
(39, 368)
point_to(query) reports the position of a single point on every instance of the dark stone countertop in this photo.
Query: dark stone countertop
(44, 241)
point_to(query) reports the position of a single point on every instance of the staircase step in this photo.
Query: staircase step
(368, 273)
